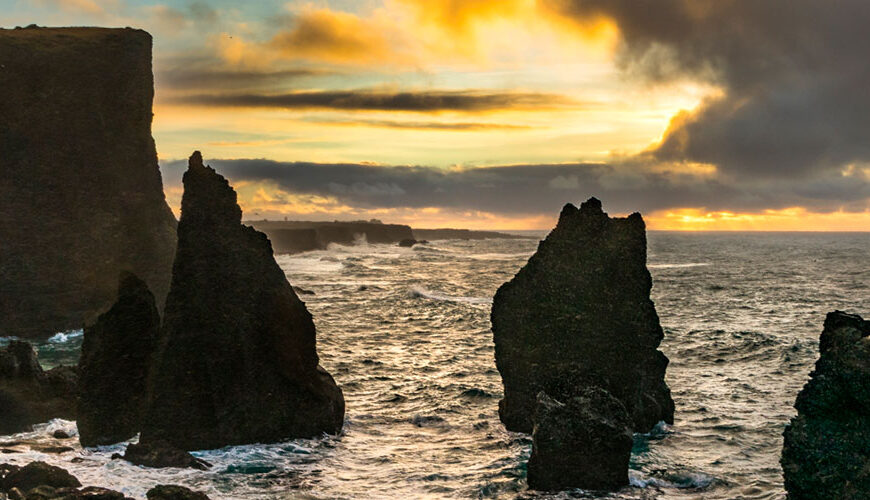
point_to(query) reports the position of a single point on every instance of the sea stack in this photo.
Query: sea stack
(113, 368)
(28, 394)
(236, 361)
(826, 449)
(82, 197)
(579, 315)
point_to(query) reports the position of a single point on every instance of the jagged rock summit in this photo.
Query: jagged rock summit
(236, 360)
(826, 447)
(113, 367)
(81, 189)
(579, 315)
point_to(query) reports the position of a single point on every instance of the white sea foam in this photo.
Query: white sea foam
(424, 293)
(61, 337)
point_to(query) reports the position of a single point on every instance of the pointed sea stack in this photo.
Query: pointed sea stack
(82, 197)
(826, 447)
(579, 315)
(116, 353)
(236, 361)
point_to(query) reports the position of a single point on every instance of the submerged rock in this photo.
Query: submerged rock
(582, 443)
(37, 474)
(826, 448)
(28, 394)
(579, 315)
(237, 360)
(160, 454)
(116, 352)
(173, 492)
(408, 242)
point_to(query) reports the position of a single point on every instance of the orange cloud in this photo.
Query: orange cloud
(789, 219)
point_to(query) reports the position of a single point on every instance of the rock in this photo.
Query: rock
(237, 361)
(579, 315)
(59, 434)
(81, 188)
(5, 470)
(582, 443)
(826, 447)
(161, 454)
(56, 450)
(172, 492)
(29, 395)
(116, 352)
(15, 494)
(303, 236)
(91, 493)
(408, 242)
(37, 474)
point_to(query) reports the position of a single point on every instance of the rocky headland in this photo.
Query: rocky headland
(826, 449)
(236, 361)
(81, 189)
(578, 317)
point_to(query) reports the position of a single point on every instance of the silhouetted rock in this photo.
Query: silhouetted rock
(826, 449)
(408, 242)
(579, 315)
(159, 454)
(172, 492)
(37, 474)
(237, 360)
(81, 189)
(582, 443)
(304, 236)
(113, 367)
(29, 395)
(59, 434)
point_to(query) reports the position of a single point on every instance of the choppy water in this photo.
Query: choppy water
(406, 334)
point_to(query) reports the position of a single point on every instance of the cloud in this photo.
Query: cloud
(187, 78)
(522, 190)
(793, 75)
(365, 100)
(417, 125)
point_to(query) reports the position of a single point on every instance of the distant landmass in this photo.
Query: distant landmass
(304, 236)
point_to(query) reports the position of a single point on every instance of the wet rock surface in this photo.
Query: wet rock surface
(584, 442)
(28, 394)
(116, 353)
(81, 188)
(172, 492)
(237, 360)
(579, 315)
(37, 474)
(826, 449)
(161, 454)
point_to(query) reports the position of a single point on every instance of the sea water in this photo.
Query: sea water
(406, 333)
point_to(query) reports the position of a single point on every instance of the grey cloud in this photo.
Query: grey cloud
(193, 78)
(534, 189)
(794, 74)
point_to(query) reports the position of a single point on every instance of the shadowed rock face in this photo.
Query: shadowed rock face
(236, 361)
(113, 368)
(582, 443)
(826, 450)
(29, 395)
(81, 189)
(579, 315)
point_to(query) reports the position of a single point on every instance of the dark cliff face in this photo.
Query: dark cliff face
(826, 448)
(579, 315)
(236, 360)
(81, 189)
(113, 368)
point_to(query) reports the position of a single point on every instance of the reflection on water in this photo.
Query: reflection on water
(405, 331)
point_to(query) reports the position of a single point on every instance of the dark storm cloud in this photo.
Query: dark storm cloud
(193, 78)
(794, 73)
(532, 189)
(364, 100)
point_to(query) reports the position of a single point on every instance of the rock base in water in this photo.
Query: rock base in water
(161, 454)
(579, 315)
(826, 447)
(582, 443)
(113, 368)
(172, 492)
(29, 395)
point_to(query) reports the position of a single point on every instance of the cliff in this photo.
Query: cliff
(303, 236)
(81, 189)
(463, 234)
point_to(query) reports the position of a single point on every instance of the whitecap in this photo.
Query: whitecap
(424, 293)
(61, 337)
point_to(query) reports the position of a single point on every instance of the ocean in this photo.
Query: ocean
(406, 333)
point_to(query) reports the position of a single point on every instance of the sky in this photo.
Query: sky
(492, 114)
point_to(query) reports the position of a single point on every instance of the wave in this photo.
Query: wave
(679, 480)
(62, 337)
(677, 266)
(418, 292)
